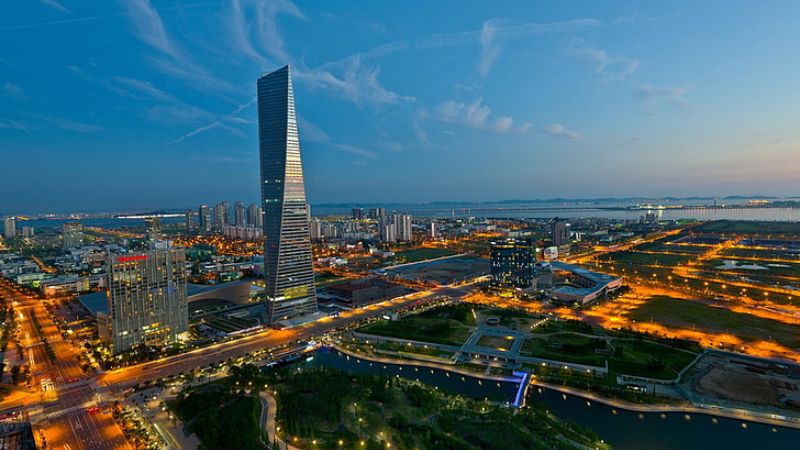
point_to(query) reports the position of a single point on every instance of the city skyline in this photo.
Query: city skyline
(557, 90)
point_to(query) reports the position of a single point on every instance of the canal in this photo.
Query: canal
(620, 428)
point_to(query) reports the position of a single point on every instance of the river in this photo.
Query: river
(622, 429)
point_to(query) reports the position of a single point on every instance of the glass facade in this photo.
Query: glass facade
(512, 264)
(287, 245)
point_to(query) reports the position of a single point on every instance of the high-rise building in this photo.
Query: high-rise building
(220, 216)
(376, 213)
(27, 232)
(189, 215)
(146, 298)
(432, 231)
(402, 224)
(204, 218)
(512, 264)
(387, 229)
(10, 227)
(254, 216)
(358, 213)
(72, 236)
(559, 234)
(153, 228)
(315, 229)
(238, 214)
(290, 289)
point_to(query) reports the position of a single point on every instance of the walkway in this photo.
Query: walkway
(269, 408)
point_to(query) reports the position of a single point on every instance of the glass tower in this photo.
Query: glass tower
(288, 269)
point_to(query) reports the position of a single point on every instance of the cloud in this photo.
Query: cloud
(149, 28)
(12, 90)
(358, 151)
(474, 115)
(220, 122)
(650, 94)
(489, 50)
(560, 131)
(611, 68)
(257, 21)
(507, 31)
(69, 125)
(311, 132)
(352, 81)
(55, 5)
(144, 87)
(12, 125)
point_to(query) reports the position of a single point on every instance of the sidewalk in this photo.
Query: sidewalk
(268, 421)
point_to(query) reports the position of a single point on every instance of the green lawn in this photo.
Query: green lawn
(648, 259)
(749, 227)
(450, 325)
(678, 313)
(566, 347)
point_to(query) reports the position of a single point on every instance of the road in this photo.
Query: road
(62, 392)
(66, 421)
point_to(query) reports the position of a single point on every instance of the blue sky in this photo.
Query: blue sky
(135, 104)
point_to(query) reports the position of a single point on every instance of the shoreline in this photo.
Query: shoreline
(749, 416)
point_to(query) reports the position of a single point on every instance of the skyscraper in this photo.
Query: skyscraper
(512, 264)
(402, 223)
(10, 227)
(254, 216)
(358, 213)
(220, 216)
(153, 228)
(238, 214)
(558, 232)
(146, 298)
(189, 215)
(289, 276)
(204, 217)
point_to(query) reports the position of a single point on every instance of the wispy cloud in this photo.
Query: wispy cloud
(69, 125)
(310, 131)
(12, 125)
(474, 115)
(560, 131)
(650, 95)
(12, 90)
(508, 31)
(257, 21)
(352, 81)
(148, 27)
(489, 50)
(224, 122)
(355, 150)
(610, 68)
(55, 5)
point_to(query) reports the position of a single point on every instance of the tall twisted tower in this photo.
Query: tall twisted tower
(287, 245)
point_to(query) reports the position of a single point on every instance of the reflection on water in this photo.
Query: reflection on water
(622, 429)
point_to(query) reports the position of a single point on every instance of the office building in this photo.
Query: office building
(204, 219)
(559, 234)
(290, 289)
(9, 227)
(72, 235)
(358, 213)
(512, 264)
(146, 299)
